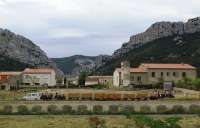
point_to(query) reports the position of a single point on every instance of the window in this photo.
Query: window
(174, 74)
(183, 74)
(153, 74)
(139, 78)
(33, 94)
(37, 83)
(167, 73)
(27, 84)
(161, 74)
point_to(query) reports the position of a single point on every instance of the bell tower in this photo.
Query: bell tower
(125, 66)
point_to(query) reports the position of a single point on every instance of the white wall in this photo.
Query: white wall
(116, 79)
(40, 78)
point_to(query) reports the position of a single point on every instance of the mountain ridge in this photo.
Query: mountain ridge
(75, 64)
(159, 30)
(166, 42)
(18, 52)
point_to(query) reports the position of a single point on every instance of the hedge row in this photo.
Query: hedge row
(98, 109)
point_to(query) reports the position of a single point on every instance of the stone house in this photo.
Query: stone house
(39, 77)
(152, 73)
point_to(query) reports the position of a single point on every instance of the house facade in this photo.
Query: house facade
(10, 80)
(95, 80)
(39, 77)
(150, 73)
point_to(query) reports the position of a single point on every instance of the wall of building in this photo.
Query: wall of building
(106, 80)
(173, 75)
(139, 78)
(169, 75)
(40, 79)
(116, 79)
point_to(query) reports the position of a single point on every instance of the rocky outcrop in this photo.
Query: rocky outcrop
(23, 50)
(159, 30)
(73, 65)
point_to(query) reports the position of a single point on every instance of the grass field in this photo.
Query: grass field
(81, 122)
(59, 122)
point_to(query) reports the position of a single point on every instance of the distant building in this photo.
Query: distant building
(71, 80)
(10, 80)
(150, 73)
(95, 80)
(39, 77)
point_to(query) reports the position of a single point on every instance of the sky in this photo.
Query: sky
(89, 27)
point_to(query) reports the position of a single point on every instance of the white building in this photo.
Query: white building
(39, 77)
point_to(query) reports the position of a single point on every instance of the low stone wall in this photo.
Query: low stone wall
(106, 105)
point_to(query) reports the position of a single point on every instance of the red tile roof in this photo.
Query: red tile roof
(167, 66)
(145, 66)
(10, 73)
(134, 70)
(38, 71)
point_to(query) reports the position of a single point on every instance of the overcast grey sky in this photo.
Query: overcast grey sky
(89, 27)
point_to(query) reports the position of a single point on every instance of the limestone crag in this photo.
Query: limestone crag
(159, 30)
(21, 49)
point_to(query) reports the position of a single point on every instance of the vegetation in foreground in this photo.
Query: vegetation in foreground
(98, 122)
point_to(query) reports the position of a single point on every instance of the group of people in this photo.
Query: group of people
(157, 94)
(50, 96)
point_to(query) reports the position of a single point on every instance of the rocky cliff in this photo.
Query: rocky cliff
(18, 52)
(78, 63)
(159, 30)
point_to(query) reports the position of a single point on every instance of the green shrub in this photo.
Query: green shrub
(178, 109)
(113, 109)
(82, 109)
(145, 109)
(52, 109)
(142, 121)
(22, 109)
(37, 109)
(67, 109)
(98, 109)
(162, 109)
(128, 109)
(7, 109)
(195, 109)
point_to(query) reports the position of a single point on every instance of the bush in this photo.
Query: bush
(113, 109)
(128, 109)
(162, 109)
(194, 109)
(145, 109)
(82, 109)
(22, 109)
(142, 121)
(178, 109)
(97, 109)
(37, 109)
(7, 109)
(52, 109)
(96, 122)
(67, 109)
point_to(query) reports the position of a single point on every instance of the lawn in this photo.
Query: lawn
(59, 121)
(81, 122)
